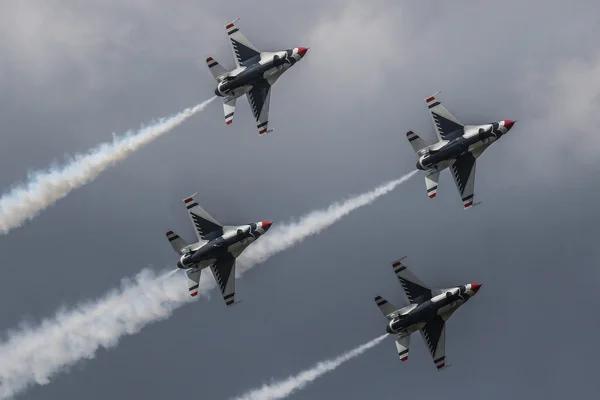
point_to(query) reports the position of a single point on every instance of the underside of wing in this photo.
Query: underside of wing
(415, 291)
(447, 127)
(259, 98)
(463, 172)
(434, 334)
(244, 52)
(205, 226)
(224, 273)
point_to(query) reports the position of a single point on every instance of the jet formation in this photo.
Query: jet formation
(254, 74)
(427, 313)
(218, 247)
(458, 148)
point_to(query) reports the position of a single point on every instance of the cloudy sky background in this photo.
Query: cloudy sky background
(73, 73)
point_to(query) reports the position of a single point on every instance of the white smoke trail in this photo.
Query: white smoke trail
(44, 188)
(282, 237)
(32, 355)
(284, 388)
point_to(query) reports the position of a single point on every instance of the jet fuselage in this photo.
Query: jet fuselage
(257, 68)
(232, 243)
(415, 318)
(470, 139)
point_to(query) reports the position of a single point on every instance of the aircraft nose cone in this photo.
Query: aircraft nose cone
(508, 124)
(475, 287)
(266, 225)
(302, 51)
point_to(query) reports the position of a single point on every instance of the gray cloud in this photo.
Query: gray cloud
(530, 332)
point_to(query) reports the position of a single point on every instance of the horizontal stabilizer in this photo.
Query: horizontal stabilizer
(216, 69)
(415, 141)
(193, 275)
(229, 109)
(177, 242)
(402, 345)
(385, 306)
(431, 182)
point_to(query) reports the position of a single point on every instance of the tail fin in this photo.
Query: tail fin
(415, 141)
(177, 242)
(385, 306)
(215, 68)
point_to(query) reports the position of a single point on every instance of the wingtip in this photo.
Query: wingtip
(229, 25)
(190, 198)
(432, 97)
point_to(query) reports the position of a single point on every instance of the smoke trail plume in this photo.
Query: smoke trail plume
(32, 355)
(44, 188)
(284, 388)
(282, 237)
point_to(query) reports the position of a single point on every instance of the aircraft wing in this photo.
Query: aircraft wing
(463, 172)
(434, 335)
(224, 273)
(447, 127)
(259, 98)
(415, 291)
(205, 226)
(242, 49)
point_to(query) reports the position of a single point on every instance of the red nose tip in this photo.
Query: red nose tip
(475, 287)
(302, 51)
(508, 124)
(266, 225)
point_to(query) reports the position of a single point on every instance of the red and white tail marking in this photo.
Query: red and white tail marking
(431, 183)
(402, 345)
(193, 281)
(229, 109)
(215, 68)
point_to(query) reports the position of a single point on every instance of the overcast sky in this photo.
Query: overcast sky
(72, 72)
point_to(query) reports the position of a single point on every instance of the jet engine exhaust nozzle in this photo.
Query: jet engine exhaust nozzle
(389, 330)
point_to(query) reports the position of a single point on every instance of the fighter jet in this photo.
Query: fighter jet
(458, 148)
(254, 74)
(427, 313)
(218, 246)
